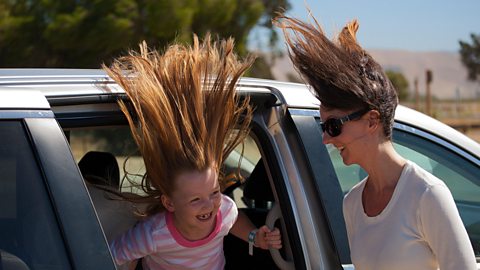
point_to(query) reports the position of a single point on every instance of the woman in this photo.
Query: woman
(399, 216)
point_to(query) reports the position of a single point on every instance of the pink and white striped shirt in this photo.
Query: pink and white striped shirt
(162, 247)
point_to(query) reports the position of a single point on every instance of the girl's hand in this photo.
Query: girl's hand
(267, 238)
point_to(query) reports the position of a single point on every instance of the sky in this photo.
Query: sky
(413, 25)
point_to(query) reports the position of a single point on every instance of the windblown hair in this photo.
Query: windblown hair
(342, 74)
(184, 109)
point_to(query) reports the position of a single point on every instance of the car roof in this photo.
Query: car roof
(65, 82)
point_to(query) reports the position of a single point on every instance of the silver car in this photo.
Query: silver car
(59, 125)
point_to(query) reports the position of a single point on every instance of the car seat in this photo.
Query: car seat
(116, 215)
(100, 168)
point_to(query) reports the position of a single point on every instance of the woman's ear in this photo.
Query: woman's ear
(373, 119)
(167, 203)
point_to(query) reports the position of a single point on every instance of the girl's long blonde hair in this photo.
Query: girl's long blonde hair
(185, 114)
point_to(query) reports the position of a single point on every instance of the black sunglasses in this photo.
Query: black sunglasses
(333, 126)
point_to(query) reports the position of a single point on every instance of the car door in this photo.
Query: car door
(46, 217)
(286, 184)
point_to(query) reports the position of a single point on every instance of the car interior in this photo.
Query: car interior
(248, 185)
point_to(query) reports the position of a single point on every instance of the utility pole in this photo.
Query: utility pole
(429, 78)
(416, 96)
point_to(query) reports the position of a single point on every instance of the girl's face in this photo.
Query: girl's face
(349, 137)
(195, 203)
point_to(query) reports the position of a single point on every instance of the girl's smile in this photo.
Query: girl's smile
(195, 203)
(205, 217)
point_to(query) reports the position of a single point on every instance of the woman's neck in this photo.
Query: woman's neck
(384, 168)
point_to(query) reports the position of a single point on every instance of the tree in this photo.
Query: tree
(272, 9)
(66, 33)
(400, 83)
(470, 55)
(260, 69)
(86, 33)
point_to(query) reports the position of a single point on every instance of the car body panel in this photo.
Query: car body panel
(50, 102)
(70, 197)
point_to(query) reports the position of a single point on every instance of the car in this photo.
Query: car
(58, 126)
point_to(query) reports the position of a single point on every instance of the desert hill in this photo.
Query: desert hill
(449, 75)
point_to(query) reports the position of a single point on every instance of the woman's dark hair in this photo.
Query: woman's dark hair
(342, 75)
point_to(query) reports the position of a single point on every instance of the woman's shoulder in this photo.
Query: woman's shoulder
(357, 188)
(421, 177)
(355, 191)
(423, 185)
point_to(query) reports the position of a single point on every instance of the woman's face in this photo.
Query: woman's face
(195, 201)
(351, 141)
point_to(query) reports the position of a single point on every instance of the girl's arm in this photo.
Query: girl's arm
(264, 237)
(135, 243)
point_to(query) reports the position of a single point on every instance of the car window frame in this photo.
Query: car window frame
(69, 196)
(326, 182)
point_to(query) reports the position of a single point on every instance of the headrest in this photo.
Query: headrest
(100, 168)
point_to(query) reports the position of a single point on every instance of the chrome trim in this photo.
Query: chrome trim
(296, 191)
(54, 81)
(304, 112)
(276, 134)
(25, 114)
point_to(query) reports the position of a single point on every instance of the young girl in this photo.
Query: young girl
(185, 110)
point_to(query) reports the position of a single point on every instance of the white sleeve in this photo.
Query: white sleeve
(229, 211)
(444, 231)
(136, 243)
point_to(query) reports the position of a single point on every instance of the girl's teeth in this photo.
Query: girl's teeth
(204, 216)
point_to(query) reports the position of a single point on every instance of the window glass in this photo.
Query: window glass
(115, 140)
(251, 190)
(119, 142)
(245, 157)
(29, 234)
(347, 175)
(460, 175)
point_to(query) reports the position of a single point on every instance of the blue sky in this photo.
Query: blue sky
(414, 25)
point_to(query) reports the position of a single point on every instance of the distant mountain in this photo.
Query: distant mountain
(449, 75)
